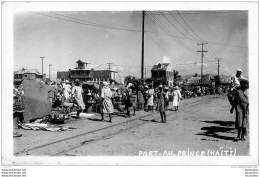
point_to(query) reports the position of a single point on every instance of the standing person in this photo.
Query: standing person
(77, 95)
(176, 98)
(145, 94)
(167, 96)
(161, 103)
(150, 98)
(134, 100)
(107, 105)
(66, 90)
(140, 97)
(127, 100)
(241, 104)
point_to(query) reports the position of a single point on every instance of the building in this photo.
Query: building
(62, 75)
(28, 74)
(85, 71)
(196, 80)
(193, 81)
(162, 74)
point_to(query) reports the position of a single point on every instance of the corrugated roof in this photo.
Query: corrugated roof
(193, 80)
(27, 70)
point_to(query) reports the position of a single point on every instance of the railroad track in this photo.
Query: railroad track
(63, 146)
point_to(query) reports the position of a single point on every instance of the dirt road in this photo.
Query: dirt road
(202, 126)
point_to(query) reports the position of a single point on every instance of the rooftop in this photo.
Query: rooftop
(27, 70)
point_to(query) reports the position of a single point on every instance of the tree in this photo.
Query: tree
(177, 77)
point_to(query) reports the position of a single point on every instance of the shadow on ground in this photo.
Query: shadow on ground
(223, 127)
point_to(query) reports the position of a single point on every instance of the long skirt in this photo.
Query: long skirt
(140, 98)
(161, 107)
(175, 101)
(107, 106)
(80, 102)
(241, 116)
(150, 101)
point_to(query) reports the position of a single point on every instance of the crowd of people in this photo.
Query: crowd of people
(108, 99)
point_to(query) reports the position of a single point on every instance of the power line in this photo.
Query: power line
(93, 25)
(174, 26)
(132, 30)
(157, 44)
(159, 21)
(182, 26)
(109, 66)
(196, 12)
(193, 39)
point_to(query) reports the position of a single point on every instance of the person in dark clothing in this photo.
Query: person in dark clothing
(241, 104)
(161, 103)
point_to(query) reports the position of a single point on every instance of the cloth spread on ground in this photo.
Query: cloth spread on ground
(45, 127)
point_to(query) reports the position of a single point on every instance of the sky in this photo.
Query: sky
(103, 37)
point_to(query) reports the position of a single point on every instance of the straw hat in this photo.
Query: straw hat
(105, 83)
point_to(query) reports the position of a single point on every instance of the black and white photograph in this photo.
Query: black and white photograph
(91, 83)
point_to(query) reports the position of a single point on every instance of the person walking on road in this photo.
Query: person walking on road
(107, 105)
(77, 95)
(176, 98)
(241, 105)
(161, 103)
(140, 97)
(150, 98)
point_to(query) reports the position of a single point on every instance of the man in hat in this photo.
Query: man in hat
(235, 80)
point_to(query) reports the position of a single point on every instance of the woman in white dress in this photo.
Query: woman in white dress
(77, 95)
(150, 98)
(176, 98)
(107, 104)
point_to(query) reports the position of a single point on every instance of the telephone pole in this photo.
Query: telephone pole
(42, 66)
(218, 64)
(50, 71)
(202, 55)
(145, 73)
(142, 61)
(109, 66)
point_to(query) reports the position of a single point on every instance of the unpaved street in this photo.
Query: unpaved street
(202, 126)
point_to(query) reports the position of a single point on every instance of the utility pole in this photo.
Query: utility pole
(202, 55)
(42, 66)
(142, 61)
(109, 66)
(218, 64)
(50, 71)
(145, 73)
